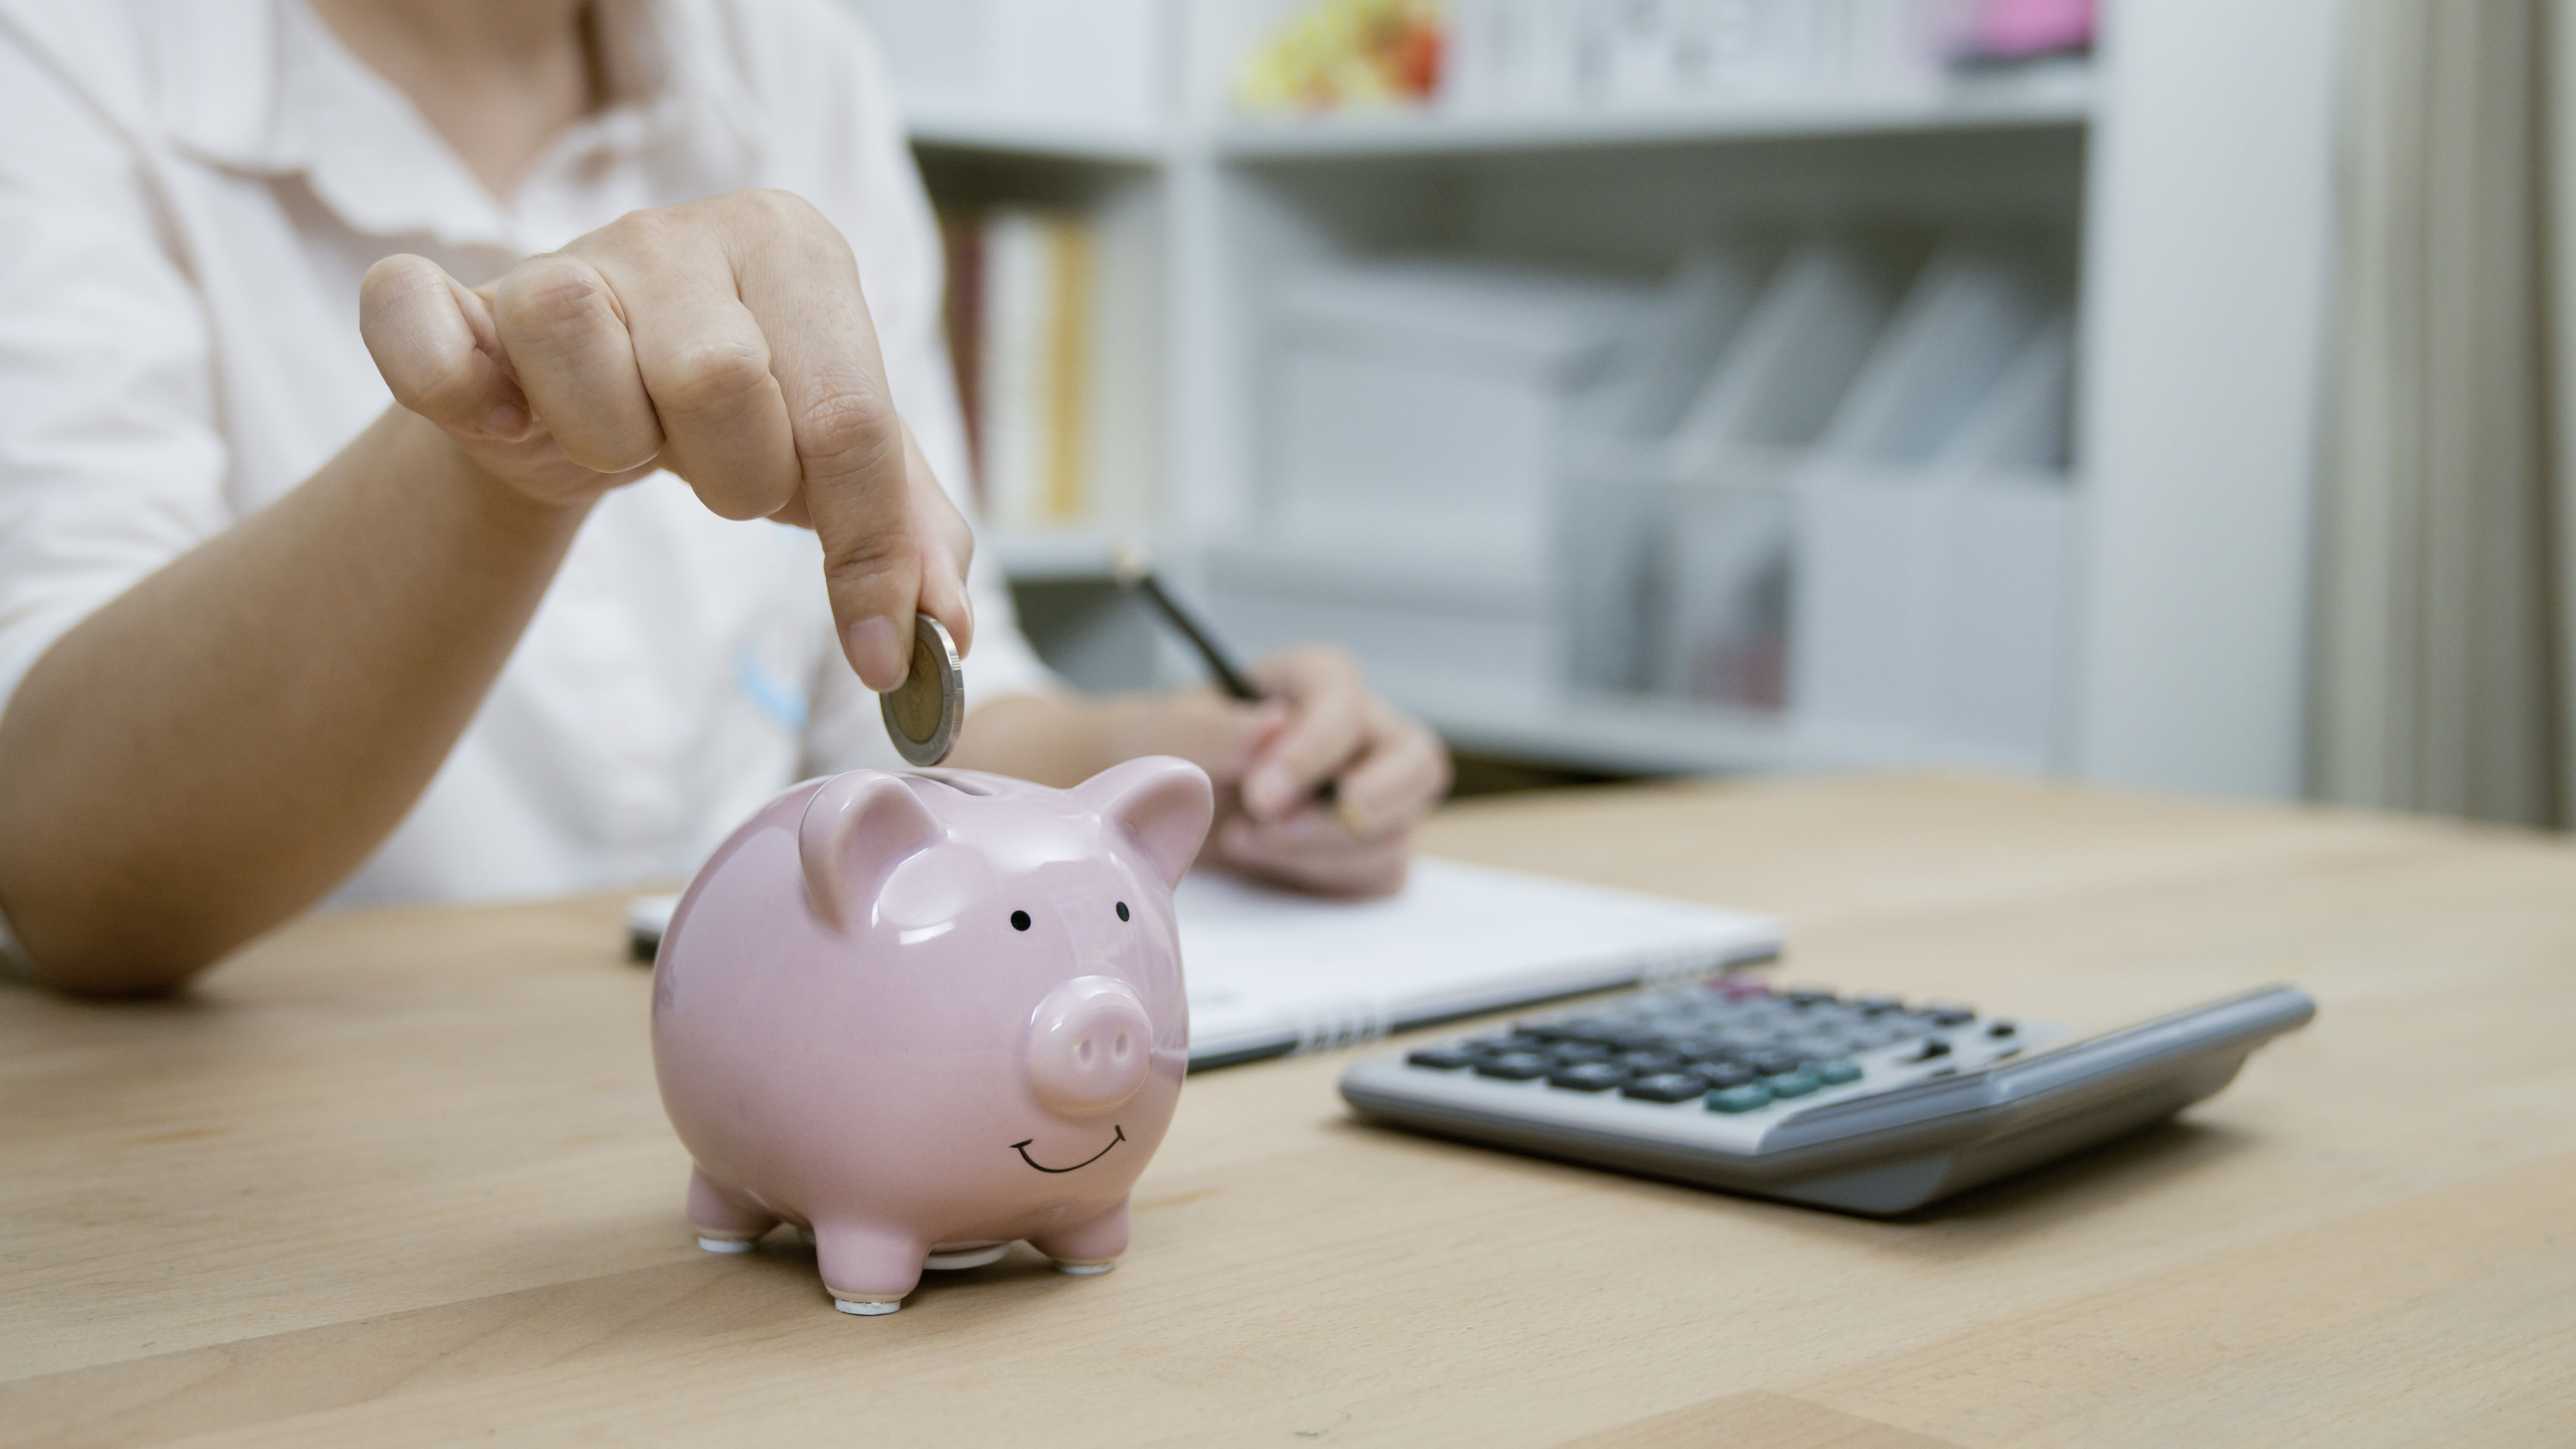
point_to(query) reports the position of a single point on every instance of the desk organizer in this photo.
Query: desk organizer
(923, 1016)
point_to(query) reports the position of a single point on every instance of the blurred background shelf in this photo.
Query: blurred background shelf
(2126, 603)
(1613, 734)
(1073, 556)
(2064, 97)
(968, 128)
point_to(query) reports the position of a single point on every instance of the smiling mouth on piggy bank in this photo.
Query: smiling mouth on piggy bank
(1118, 1134)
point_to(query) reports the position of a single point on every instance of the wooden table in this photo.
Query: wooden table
(401, 1177)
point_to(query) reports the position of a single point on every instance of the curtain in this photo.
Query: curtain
(2441, 671)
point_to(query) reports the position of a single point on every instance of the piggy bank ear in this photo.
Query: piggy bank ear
(856, 830)
(1164, 804)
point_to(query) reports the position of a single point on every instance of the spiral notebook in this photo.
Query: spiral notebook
(1272, 971)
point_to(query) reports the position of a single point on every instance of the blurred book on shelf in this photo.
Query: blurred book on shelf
(1520, 56)
(1021, 318)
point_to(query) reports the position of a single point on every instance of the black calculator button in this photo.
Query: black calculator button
(1574, 1028)
(1809, 996)
(1504, 1045)
(1950, 1014)
(1772, 1062)
(1514, 1066)
(1635, 1039)
(1931, 1048)
(1648, 1063)
(1588, 1077)
(1877, 1005)
(1666, 1087)
(2000, 1029)
(1723, 1074)
(1441, 1058)
(1574, 1053)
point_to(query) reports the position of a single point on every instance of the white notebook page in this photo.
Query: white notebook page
(1271, 970)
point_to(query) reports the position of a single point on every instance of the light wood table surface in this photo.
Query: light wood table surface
(401, 1177)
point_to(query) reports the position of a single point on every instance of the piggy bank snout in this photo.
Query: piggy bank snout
(1090, 1044)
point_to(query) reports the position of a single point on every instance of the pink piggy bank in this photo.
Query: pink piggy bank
(922, 1016)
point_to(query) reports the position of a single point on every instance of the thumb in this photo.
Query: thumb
(438, 349)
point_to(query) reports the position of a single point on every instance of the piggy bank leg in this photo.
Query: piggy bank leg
(726, 1221)
(867, 1268)
(1088, 1247)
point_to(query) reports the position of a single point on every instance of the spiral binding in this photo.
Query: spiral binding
(1341, 1024)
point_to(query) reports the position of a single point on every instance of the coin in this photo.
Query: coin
(922, 713)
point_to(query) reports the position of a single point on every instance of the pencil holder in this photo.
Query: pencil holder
(923, 1016)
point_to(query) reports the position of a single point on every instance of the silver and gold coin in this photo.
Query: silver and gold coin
(923, 712)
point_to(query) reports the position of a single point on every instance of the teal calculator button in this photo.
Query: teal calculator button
(1792, 1084)
(1740, 1099)
(1834, 1074)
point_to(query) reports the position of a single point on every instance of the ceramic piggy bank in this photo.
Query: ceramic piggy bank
(923, 1016)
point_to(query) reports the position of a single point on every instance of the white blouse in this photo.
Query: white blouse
(189, 193)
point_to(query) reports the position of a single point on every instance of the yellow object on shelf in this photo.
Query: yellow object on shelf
(1338, 54)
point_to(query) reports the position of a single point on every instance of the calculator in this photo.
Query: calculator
(1870, 1104)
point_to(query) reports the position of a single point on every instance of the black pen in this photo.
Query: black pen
(1129, 567)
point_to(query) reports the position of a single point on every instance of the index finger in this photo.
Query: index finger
(1328, 729)
(882, 535)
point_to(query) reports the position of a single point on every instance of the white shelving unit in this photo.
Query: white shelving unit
(957, 128)
(2055, 95)
(2185, 171)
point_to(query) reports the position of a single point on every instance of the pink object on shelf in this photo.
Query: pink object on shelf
(2009, 29)
(923, 1016)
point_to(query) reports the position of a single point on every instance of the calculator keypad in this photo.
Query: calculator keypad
(1731, 1045)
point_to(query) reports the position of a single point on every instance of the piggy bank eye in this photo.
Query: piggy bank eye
(1019, 920)
(1122, 910)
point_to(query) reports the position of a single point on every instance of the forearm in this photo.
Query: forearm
(210, 753)
(1317, 724)
(1061, 740)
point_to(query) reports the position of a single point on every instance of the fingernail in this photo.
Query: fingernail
(875, 652)
(1353, 818)
(1265, 793)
